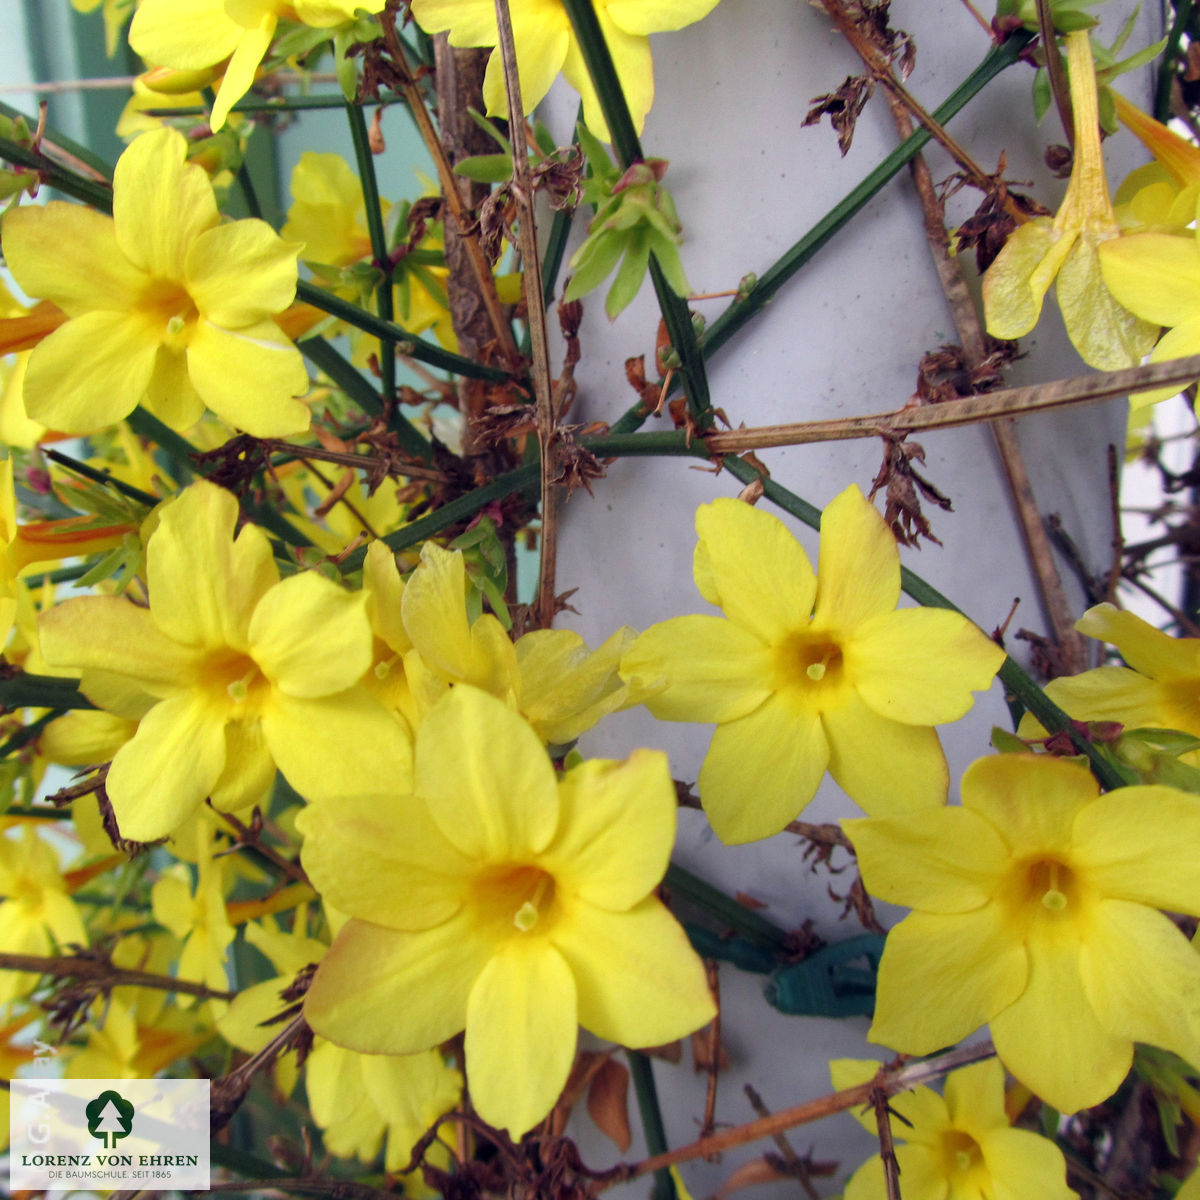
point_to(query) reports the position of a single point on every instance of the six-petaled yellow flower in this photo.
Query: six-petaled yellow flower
(500, 900)
(1036, 910)
(810, 672)
(167, 306)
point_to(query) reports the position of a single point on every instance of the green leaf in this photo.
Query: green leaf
(1007, 743)
(486, 125)
(485, 168)
(593, 262)
(667, 254)
(630, 275)
(347, 69)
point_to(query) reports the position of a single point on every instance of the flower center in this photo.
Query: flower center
(809, 665)
(517, 896)
(171, 309)
(1053, 885)
(961, 1155)
(239, 677)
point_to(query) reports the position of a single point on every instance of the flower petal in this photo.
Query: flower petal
(311, 637)
(249, 768)
(615, 831)
(241, 272)
(252, 46)
(69, 255)
(162, 32)
(1147, 650)
(485, 774)
(1016, 283)
(159, 777)
(1156, 275)
(1030, 801)
(161, 203)
(708, 669)
(1050, 1037)
(858, 570)
(340, 745)
(657, 16)
(1024, 1164)
(1180, 342)
(1142, 977)
(91, 372)
(170, 395)
(1139, 843)
(944, 860)
(923, 1111)
(521, 1033)
(204, 582)
(975, 1098)
(1117, 694)
(384, 860)
(864, 749)
(541, 34)
(250, 377)
(384, 991)
(640, 983)
(920, 665)
(762, 769)
(924, 1176)
(759, 571)
(941, 977)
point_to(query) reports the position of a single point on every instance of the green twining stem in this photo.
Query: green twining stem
(42, 691)
(1170, 57)
(753, 927)
(642, 1071)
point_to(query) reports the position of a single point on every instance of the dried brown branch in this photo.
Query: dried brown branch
(887, 1147)
(712, 1070)
(539, 341)
(795, 1164)
(1056, 69)
(334, 1189)
(100, 970)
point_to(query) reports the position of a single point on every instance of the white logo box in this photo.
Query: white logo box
(73, 1134)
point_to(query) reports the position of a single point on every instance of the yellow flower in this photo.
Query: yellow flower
(229, 672)
(962, 1147)
(546, 45)
(116, 13)
(810, 672)
(167, 306)
(503, 901)
(1161, 194)
(123, 1045)
(37, 916)
(1106, 335)
(1159, 689)
(191, 34)
(1036, 911)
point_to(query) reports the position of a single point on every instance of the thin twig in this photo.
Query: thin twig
(983, 22)
(709, 1124)
(1059, 86)
(102, 971)
(794, 1161)
(887, 1147)
(334, 1189)
(539, 342)
(890, 1080)
(463, 221)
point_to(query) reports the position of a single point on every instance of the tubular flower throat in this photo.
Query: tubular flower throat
(500, 900)
(166, 305)
(1036, 910)
(1067, 248)
(230, 672)
(809, 672)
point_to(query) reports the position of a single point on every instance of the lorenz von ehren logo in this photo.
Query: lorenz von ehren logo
(122, 1134)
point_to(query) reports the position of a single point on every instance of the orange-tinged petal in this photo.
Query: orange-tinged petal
(1031, 802)
(241, 272)
(639, 981)
(69, 255)
(757, 568)
(1051, 1039)
(1138, 843)
(699, 668)
(949, 860)
(1143, 647)
(250, 377)
(23, 333)
(1141, 975)
(311, 637)
(91, 372)
(616, 829)
(1177, 154)
(47, 541)
(762, 769)
(941, 977)
(340, 745)
(383, 991)
(858, 570)
(204, 582)
(920, 665)
(383, 859)
(864, 750)
(521, 1032)
(161, 203)
(485, 774)
(160, 777)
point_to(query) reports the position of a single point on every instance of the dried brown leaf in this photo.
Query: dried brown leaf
(608, 1102)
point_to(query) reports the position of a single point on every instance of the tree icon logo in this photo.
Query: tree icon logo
(109, 1118)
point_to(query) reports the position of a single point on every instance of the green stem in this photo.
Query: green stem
(406, 343)
(249, 191)
(23, 737)
(678, 320)
(102, 477)
(280, 104)
(749, 924)
(325, 357)
(379, 251)
(42, 691)
(57, 138)
(1170, 59)
(642, 1070)
(56, 176)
